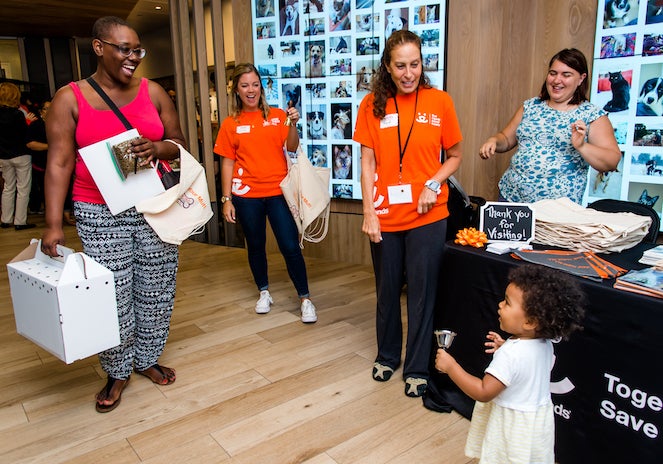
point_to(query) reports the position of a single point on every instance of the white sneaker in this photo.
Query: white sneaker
(264, 302)
(308, 311)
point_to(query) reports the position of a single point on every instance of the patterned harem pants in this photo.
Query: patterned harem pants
(145, 269)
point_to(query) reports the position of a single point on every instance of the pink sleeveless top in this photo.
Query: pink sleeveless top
(95, 125)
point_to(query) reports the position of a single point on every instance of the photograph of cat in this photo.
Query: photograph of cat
(621, 93)
(646, 194)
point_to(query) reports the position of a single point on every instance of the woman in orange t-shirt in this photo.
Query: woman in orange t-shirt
(403, 126)
(251, 142)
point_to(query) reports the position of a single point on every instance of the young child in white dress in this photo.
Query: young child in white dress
(513, 419)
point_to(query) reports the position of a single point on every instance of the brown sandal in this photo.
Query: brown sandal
(105, 393)
(163, 378)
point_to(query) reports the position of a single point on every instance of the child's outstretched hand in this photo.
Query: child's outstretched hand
(443, 361)
(495, 340)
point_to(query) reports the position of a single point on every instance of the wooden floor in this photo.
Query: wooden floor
(250, 389)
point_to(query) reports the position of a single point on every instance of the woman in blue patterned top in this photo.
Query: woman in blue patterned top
(559, 135)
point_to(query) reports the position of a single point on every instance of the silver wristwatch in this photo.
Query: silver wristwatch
(433, 185)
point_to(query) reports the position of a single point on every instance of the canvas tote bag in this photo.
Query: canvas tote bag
(182, 210)
(306, 190)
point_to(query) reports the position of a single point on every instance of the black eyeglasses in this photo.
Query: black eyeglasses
(127, 51)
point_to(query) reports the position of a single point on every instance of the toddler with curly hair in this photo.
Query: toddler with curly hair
(513, 419)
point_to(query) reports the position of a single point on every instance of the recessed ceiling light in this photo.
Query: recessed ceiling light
(157, 8)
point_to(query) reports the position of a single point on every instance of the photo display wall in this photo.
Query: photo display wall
(320, 55)
(627, 82)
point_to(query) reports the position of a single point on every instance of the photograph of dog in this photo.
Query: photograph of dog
(314, 26)
(340, 67)
(289, 17)
(618, 13)
(316, 123)
(646, 164)
(265, 31)
(292, 96)
(291, 70)
(648, 135)
(652, 45)
(267, 70)
(315, 59)
(430, 37)
(431, 61)
(313, 6)
(368, 46)
(341, 121)
(366, 22)
(654, 167)
(264, 8)
(654, 12)
(317, 154)
(606, 184)
(364, 77)
(650, 99)
(341, 89)
(601, 181)
(271, 94)
(265, 51)
(343, 191)
(427, 14)
(339, 19)
(342, 162)
(317, 90)
(290, 49)
(395, 20)
(339, 45)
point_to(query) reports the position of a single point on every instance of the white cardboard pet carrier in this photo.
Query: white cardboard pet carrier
(65, 305)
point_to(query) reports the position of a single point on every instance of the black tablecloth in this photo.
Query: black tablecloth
(608, 367)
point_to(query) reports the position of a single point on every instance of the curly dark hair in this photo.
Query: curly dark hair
(551, 298)
(382, 85)
(574, 59)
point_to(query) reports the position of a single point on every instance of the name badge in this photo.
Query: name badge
(243, 129)
(399, 194)
(390, 120)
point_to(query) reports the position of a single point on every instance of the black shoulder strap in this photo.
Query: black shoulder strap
(109, 102)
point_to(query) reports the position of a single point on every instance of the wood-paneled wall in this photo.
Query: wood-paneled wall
(497, 56)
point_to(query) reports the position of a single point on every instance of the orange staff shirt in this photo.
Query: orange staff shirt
(256, 145)
(435, 128)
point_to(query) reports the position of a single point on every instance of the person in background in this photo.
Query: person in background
(513, 418)
(28, 108)
(251, 142)
(144, 267)
(559, 135)
(38, 148)
(403, 125)
(15, 162)
(173, 96)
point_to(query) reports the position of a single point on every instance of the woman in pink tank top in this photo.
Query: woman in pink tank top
(144, 267)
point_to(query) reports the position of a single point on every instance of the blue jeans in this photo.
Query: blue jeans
(252, 214)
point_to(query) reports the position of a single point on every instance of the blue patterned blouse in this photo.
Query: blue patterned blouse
(546, 165)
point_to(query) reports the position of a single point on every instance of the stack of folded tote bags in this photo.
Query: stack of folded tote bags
(565, 224)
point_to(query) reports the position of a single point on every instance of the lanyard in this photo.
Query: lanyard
(401, 149)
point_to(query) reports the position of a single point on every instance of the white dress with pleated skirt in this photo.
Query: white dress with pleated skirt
(517, 426)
